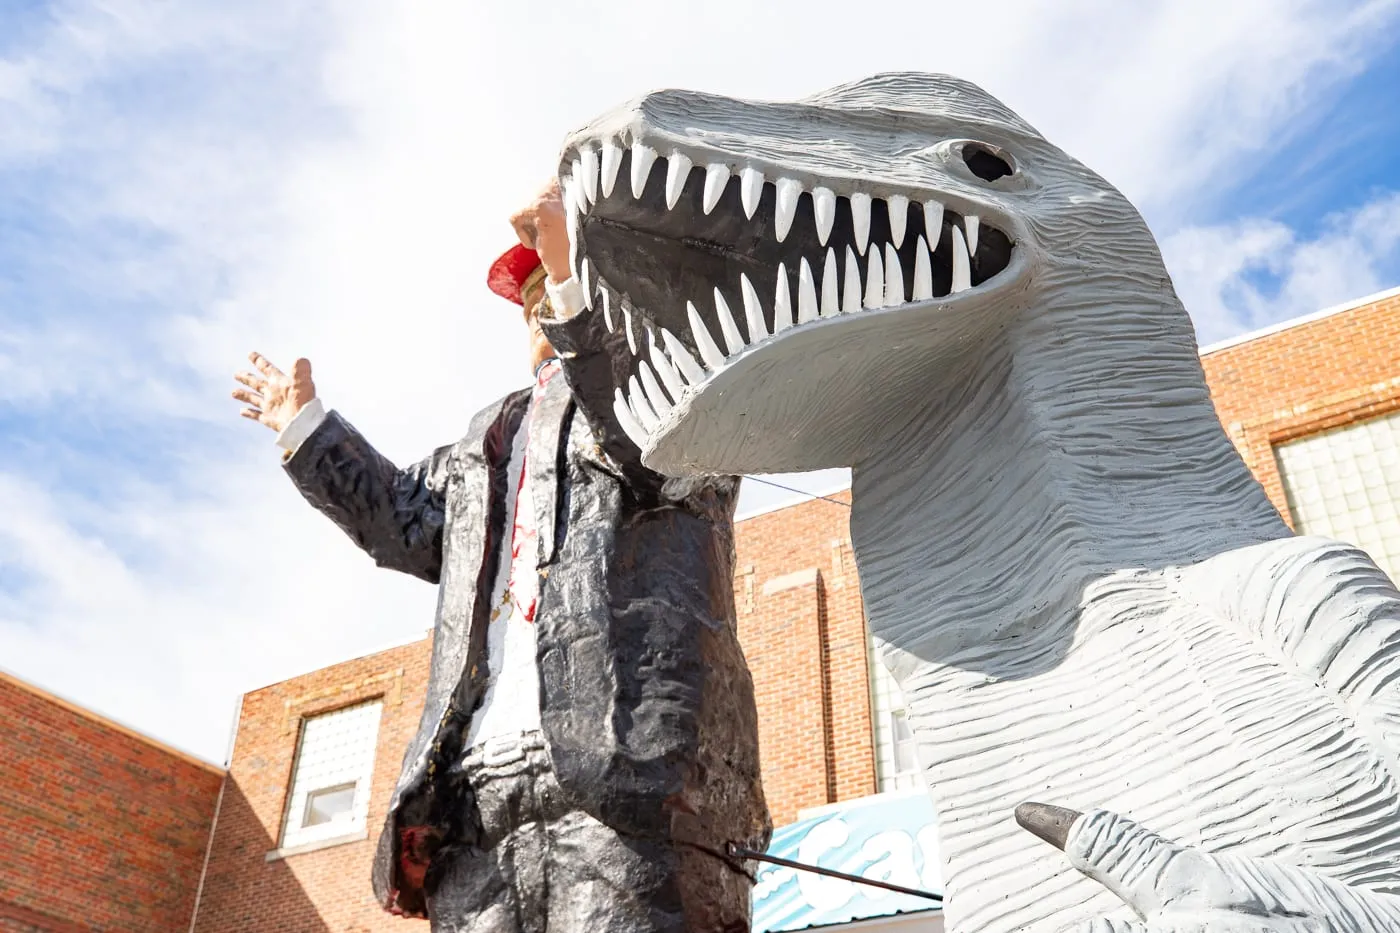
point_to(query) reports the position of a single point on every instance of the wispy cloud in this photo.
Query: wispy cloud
(180, 183)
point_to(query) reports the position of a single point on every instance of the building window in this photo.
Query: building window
(331, 781)
(896, 763)
(1345, 484)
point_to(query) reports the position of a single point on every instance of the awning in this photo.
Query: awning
(886, 837)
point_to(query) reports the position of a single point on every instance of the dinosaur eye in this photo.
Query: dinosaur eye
(985, 162)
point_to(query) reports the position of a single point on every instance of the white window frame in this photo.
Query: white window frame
(344, 741)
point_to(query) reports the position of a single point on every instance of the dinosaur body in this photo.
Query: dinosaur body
(1085, 596)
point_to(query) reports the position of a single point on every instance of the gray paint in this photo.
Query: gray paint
(1084, 594)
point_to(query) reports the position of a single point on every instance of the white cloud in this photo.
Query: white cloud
(1251, 272)
(331, 181)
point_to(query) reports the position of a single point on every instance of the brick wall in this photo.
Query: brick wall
(100, 828)
(325, 889)
(802, 625)
(1325, 373)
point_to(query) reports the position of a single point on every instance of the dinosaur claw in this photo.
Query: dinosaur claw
(1047, 821)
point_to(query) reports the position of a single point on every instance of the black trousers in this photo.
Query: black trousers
(548, 867)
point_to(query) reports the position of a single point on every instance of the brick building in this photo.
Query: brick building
(1313, 405)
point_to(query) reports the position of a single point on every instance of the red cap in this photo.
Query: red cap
(509, 273)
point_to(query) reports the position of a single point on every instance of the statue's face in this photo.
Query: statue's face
(785, 270)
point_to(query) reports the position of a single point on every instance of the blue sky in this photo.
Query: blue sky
(182, 183)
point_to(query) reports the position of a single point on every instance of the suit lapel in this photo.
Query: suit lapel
(542, 461)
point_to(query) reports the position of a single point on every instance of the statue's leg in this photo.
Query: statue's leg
(604, 882)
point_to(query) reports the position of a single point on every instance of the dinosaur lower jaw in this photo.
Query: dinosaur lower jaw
(715, 273)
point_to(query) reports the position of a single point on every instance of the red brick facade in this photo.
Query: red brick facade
(100, 828)
(801, 622)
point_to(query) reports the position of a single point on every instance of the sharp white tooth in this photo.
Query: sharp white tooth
(643, 157)
(607, 311)
(962, 266)
(630, 426)
(627, 325)
(612, 161)
(753, 310)
(860, 220)
(728, 326)
(875, 281)
(782, 301)
(898, 207)
(850, 291)
(971, 223)
(716, 177)
(894, 278)
(789, 189)
(628, 421)
(750, 189)
(588, 158)
(806, 294)
(923, 272)
(831, 305)
(677, 171)
(682, 358)
(585, 278)
(572, 210)
(824, 209)
(670, 378)
(933, 223)
(655, 397)
(640, 407)
(580, 185)
(709, 350)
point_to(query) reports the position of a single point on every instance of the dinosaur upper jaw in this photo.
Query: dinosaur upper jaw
(772, 319)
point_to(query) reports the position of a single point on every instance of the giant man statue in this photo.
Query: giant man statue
(589, 740)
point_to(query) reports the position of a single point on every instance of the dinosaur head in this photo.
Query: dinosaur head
(795, 277)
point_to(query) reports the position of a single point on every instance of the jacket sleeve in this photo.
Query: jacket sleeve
(396, 516)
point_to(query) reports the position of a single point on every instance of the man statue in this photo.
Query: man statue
(589, 739)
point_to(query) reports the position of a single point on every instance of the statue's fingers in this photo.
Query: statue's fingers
(252, 414)
(251, 380)
(249, 396)
(265, 366)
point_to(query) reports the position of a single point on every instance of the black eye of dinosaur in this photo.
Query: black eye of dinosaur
(985, 163)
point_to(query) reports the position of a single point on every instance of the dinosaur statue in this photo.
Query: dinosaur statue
(1086, 597)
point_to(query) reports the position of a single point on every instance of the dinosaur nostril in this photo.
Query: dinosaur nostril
(985, 163)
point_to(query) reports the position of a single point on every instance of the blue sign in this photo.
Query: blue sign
(887, 837)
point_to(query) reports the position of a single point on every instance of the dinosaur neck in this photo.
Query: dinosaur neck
(1082, 444)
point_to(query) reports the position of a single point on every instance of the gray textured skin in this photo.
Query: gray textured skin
(1085, 595)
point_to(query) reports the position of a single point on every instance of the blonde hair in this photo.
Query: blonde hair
(533, 281)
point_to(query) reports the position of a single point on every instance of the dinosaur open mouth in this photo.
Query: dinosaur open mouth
(699, 264)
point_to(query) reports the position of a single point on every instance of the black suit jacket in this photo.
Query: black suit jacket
(646, 702)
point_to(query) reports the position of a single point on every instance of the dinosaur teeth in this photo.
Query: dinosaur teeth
(806, 294)
(824, 209)
(962, 266)
(728, 327)
(643, 158)
(588, 163)
(875, 281)
(670, 376)
(789, 190)
(898, 209)
(611, 162)
(716, 178)
(677, 171)
(655, 397)
(607, 310)
(971, 223)
(753, 311)
(628, 420)
(627, 326)
(933, 223)
(646, 417)
(894, 278)
(782, 301)
(709, 350)
(692, 371)
(850, 292)
(830, 303)
(750, 189)
(923, 272)
(860, 220)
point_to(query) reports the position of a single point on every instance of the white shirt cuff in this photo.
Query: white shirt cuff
(566, 298)
(303, 424)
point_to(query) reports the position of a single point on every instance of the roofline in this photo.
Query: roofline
(108, 722)
(355, 657)
(779, 506)
(1299, 321)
